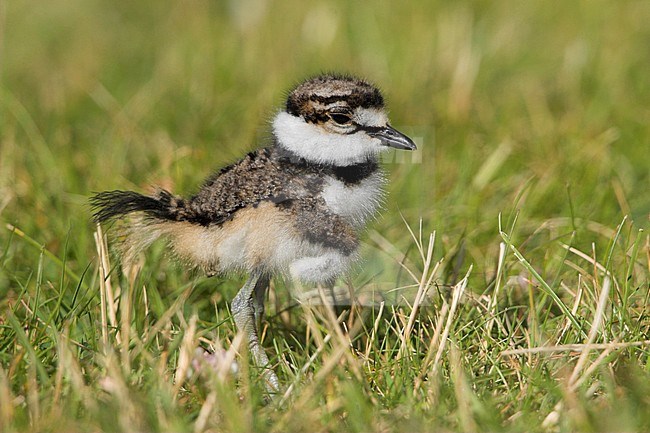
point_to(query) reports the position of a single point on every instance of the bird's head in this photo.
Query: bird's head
(336, 120)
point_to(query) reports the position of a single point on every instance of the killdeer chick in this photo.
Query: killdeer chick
(293, 208)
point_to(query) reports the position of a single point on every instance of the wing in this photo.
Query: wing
(253, 179)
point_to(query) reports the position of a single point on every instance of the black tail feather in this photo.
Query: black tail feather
(108, 205)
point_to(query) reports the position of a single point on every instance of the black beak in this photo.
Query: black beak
(390, 136)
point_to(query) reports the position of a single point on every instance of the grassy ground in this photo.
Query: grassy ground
(526, 311)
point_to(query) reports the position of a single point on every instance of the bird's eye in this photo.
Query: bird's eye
(341, 119)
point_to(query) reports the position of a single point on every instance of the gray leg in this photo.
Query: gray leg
(247, 309)
(258, 299)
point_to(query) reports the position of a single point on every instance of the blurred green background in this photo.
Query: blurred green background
(533, 109)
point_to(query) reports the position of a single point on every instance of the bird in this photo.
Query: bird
(294, 208)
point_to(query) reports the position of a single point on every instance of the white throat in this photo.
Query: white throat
(318, 146)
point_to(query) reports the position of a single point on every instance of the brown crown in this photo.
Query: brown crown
(312, 98)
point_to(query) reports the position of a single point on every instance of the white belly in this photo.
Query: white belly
(356, 203)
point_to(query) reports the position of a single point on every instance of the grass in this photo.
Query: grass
(512, 256)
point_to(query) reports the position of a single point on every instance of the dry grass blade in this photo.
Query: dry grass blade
(433, 344)
(574, 309)
(375, 327)
(462, 390)
(592, 261)
(494, 299)
(186, 354)
(105, 288)
(575, 348)
(459, 289)
(424, 285)
(6, 401)
(593, 331)
(204, 414)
